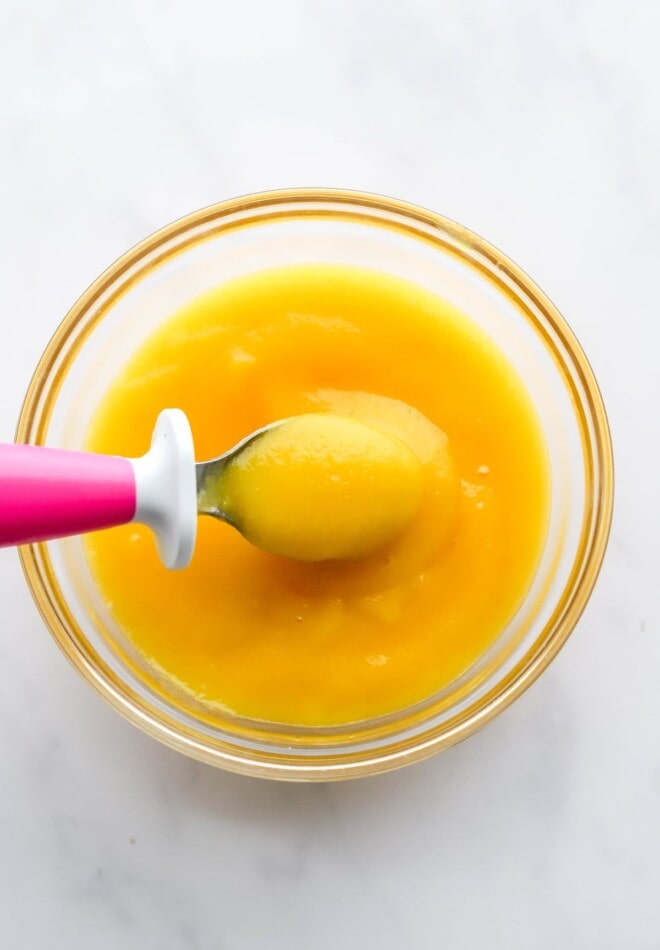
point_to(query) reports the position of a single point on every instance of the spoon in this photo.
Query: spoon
(48, 493)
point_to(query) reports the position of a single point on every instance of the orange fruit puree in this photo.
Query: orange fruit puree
(315, 642)
(320, 487)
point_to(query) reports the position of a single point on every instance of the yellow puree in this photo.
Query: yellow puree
(320, 487)
(322, 642)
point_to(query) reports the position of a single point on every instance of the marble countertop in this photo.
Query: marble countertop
(535, 125)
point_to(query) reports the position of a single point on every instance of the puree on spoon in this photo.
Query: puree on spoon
(321, 487)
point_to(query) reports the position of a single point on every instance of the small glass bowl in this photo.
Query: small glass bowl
(149, 283)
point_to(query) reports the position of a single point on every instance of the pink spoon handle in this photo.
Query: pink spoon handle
(50, 493)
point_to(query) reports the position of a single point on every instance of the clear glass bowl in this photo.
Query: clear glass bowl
(235, 237)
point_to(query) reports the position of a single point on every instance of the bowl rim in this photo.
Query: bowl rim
(34, 559)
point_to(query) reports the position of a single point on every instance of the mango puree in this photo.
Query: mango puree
(319, 487)
(273, 638)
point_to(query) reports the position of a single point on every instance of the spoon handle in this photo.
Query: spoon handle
(50, 493)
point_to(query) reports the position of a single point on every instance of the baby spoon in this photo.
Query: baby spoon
(320, 488)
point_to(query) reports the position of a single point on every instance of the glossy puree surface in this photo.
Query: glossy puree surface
(320, 487)
(267, 637)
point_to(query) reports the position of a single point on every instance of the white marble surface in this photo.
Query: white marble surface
(537, 125)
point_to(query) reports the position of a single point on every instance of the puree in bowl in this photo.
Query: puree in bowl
(329, 642)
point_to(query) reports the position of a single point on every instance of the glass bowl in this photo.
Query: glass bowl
(148, 284)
